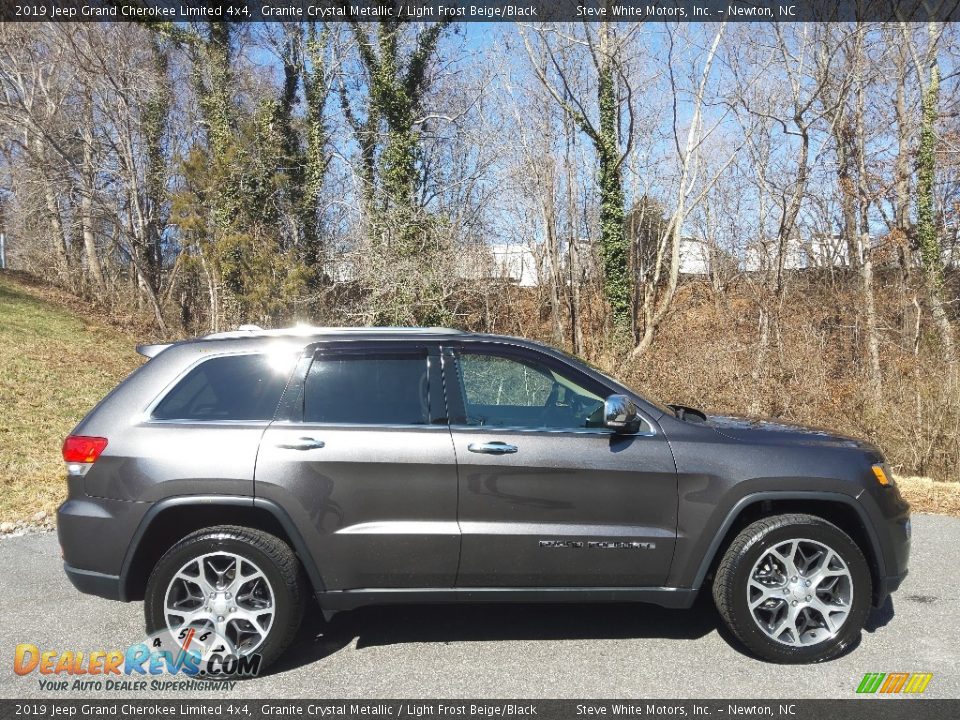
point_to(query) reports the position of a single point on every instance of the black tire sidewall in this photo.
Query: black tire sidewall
(765, 647)
(286, 604)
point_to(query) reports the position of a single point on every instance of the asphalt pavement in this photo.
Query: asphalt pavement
(510, 651)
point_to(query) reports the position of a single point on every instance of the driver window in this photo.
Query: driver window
(502, 391)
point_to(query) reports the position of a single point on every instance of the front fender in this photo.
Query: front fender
(702, 530)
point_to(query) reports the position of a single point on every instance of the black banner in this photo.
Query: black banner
(480, 10)
(854, 709)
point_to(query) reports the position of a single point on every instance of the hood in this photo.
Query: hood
(774, 432)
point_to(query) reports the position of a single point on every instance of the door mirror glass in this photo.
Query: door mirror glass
(620, 413)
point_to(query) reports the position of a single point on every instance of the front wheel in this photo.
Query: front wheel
(244, 585)
(793, 589)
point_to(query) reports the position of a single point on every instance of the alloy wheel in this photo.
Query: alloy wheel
(223, 592)
(800, 592)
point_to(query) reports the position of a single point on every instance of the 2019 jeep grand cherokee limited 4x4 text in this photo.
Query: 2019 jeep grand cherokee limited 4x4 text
(232, 476)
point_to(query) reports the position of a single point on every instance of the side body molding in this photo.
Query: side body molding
(668, 597)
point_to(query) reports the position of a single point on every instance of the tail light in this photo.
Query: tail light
(82, 451)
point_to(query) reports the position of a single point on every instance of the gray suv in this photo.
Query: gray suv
(233, 476)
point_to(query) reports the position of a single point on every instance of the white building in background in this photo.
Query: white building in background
(516, 264)
(525, 265)
(828, 251)
(819, 251)
(695, 257)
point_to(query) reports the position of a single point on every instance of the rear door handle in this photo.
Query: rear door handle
(304, 443)
(492, 448)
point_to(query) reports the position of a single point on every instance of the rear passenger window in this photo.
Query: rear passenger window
(235, 387)
(369, 389)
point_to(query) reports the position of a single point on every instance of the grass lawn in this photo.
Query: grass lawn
(55, 364)
(930, 496)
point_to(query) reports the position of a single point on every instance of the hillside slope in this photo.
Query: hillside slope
(57, 361)
(55, 364)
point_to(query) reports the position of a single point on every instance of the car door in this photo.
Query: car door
(364, 461)
(548, 496)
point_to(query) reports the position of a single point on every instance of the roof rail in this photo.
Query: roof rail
(300, 330)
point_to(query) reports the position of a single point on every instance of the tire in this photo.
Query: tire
(280, 586)
(830, 598)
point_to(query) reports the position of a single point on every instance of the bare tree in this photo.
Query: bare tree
(690, 190)
(927, 66)
(607, 51)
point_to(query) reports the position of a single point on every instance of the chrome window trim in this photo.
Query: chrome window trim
(208, 423)
(554, 431)
(293, 424)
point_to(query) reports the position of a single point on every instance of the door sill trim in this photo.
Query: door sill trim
(349, 599)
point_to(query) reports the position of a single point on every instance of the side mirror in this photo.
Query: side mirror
(620, 413)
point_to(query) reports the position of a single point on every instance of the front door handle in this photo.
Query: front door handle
(492, 448)
(304, 443)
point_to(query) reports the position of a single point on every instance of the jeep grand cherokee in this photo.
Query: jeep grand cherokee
(232, 476)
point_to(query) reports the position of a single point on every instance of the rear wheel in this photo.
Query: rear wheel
(793, 589)
(244, 585)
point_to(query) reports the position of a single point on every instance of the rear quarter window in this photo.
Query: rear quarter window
(234, 387)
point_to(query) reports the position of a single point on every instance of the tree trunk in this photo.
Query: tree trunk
(573, 244)
(788, 221)
(927, 235)
(86, 203)
(57, 236)
(848, 196)
(155, 120)
(212, 294)
(756, 375)
(901, 222)
(553, 263)
(655, 309)
(614, 252)
(902, 164)
(315, 90)
(870, 320)
(864, 255)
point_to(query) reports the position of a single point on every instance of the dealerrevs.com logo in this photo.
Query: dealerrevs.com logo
(892, 683)
(189, 662)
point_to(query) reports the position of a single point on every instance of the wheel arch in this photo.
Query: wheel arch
(838, 508)
(172, 519)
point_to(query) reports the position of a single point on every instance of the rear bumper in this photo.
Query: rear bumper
(95, 534)
(94, 583)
